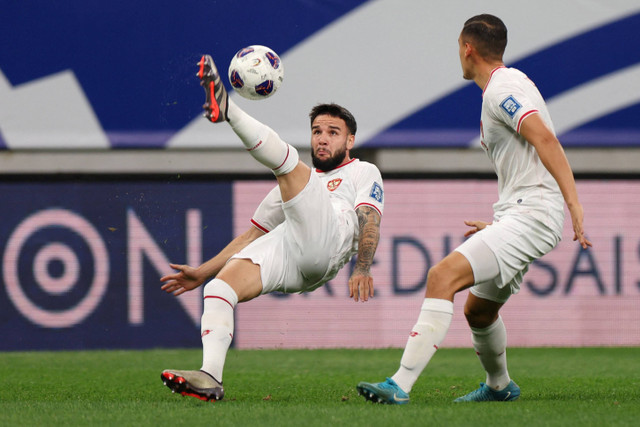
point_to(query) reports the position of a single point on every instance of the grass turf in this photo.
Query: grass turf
(560, 387)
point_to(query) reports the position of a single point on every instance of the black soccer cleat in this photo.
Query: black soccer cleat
(217, 99)
(198, 384)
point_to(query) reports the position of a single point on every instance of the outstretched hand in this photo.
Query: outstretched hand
(360, 287)
(184, 280)
(577, 216)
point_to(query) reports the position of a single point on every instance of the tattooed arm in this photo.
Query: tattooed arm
(361, 282)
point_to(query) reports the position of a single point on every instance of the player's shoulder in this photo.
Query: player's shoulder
(366, 168)
(506, 79)
(506, 89)
(363, 164)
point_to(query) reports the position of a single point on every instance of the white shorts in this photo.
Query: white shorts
(516, 241)
(308, 248)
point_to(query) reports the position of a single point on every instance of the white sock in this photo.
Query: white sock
(491, 347)
(427, 334)
(262, 142)
(217, 326)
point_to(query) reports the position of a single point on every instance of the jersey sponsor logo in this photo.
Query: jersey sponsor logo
(510, 105)
(376, 192)
(333, 184)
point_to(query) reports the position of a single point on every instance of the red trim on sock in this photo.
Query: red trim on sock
(285, 159)
(255, 146)
(215, 296)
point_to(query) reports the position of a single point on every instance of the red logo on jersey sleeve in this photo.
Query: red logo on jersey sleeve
(333, 184)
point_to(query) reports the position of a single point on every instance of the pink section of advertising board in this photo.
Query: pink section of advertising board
(571, 298)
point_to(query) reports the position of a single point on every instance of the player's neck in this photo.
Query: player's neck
(484, 72)
(346, 160)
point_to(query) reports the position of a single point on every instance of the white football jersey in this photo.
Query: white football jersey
(525, 186)
(350, 186)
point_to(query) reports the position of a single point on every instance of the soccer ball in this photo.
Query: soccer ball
(256, 72)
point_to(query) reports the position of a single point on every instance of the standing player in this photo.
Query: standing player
(303, 232)
(534, 182)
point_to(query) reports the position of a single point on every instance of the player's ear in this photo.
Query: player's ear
(351, 140)
(467, 49)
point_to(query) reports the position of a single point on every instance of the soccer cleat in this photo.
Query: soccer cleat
(217, 99)
(386, 392)
(487, 394)
(198, 384)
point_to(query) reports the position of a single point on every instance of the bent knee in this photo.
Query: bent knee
(476, 318)
(444, 281)
(437, 282)
(479, 317)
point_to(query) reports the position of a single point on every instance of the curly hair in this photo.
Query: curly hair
(335, 110)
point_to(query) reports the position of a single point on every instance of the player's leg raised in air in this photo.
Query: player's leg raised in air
(260, 140)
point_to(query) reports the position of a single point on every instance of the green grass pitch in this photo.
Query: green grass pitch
(560, 387)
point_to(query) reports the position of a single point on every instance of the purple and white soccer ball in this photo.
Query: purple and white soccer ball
(256, 72)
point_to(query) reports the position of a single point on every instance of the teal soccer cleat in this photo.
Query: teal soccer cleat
(387, 392)
(487, 394)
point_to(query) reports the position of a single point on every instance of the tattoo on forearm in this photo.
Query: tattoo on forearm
(369, 225)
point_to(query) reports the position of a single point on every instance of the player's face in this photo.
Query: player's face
(330, 142)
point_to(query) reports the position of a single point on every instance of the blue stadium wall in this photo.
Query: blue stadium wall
(82, 260)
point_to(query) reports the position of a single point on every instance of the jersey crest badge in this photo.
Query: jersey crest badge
(333, 184)
(376, 192)
(510, 105)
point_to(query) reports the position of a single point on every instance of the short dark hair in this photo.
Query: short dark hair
(488, 33)
(335, 110)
